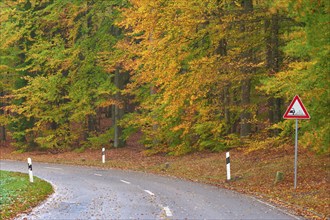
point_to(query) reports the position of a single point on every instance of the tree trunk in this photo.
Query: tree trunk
(226, 103)
(2, 133)
(235, 102)
(273, 60)
(92, 123)
(2, 112)
(245, 115)
(222, 50)
(246, 82)
(118, 111)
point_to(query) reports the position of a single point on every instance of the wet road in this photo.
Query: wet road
(93, 193)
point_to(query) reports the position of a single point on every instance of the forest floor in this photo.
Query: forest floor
(253, 172)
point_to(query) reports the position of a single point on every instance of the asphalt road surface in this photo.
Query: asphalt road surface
(94, 193)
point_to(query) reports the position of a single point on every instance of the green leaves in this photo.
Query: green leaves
(57, 56)
(307, 71)
(200, 72)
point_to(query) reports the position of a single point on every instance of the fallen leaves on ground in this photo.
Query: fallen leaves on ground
(252, 172)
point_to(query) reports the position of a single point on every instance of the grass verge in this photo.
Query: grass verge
(17, 194)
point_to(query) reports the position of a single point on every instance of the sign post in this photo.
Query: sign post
(296, 155)
(296, 110)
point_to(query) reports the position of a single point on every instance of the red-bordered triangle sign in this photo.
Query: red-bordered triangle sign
(296, 110)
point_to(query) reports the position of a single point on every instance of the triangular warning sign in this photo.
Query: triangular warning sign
(296, 110)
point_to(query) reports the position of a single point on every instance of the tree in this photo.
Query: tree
(64, 85)
(273, 63)
(202, 74)
(193, 55)
(306, 72)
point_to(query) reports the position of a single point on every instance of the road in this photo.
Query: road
(94, 193)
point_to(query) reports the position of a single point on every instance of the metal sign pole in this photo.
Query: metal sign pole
(296, 156)
(296, 110)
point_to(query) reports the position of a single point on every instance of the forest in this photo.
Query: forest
(184, 75)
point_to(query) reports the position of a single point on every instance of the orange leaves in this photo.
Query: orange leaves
(175, 54)
(110, 102)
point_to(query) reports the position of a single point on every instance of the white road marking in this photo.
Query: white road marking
(150, 193)
(274, 207)
(96, 174)
(53, 168)
(125, 182)
(168, 211)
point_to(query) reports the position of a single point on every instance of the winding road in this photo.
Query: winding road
(94, 193)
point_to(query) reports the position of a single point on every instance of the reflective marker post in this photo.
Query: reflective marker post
(228, 165)
(103, 155)
(30, 169)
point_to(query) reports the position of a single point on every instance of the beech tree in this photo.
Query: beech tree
(201, 74)
(198, 54)
(63, 85)
(306, 71)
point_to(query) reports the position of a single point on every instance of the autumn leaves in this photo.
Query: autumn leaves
(195, 74)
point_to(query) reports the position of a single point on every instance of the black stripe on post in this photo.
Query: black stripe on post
(30, 167)
(227, 160)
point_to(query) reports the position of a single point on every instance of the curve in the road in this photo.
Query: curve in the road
(94, 193)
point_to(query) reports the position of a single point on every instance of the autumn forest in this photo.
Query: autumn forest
(185, 75)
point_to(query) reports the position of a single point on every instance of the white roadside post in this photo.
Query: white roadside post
(30, 169)
(296, 110)
(228, 165)
(103, 155)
